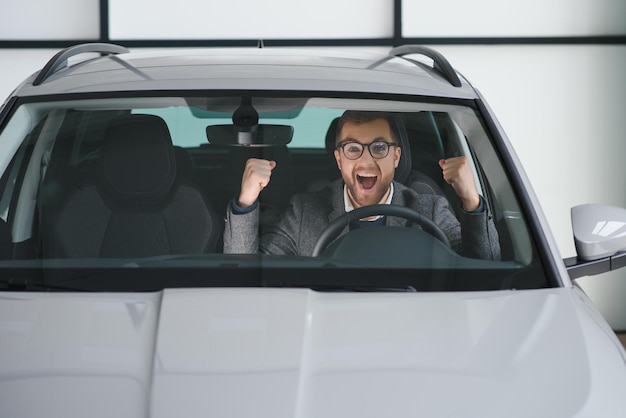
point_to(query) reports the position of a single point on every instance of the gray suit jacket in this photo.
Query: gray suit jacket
(309, 214)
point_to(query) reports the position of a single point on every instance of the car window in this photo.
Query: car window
(63, 199)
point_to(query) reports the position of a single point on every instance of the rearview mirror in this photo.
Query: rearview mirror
(255, 136)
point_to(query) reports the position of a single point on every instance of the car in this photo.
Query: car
(120, 297)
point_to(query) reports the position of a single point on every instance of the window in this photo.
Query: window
(67, 180)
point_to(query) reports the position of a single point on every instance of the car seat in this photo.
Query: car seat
(135, 204)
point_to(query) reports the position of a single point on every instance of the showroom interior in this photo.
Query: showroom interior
(552, 71)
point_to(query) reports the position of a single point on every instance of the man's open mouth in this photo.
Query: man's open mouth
(367, 181)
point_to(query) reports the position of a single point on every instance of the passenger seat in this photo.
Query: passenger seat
(135, 204)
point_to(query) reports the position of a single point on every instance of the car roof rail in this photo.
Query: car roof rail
(60, 59)
(440, 63)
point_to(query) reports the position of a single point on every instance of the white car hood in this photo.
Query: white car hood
(299, 353)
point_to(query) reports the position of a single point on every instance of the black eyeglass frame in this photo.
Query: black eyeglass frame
(368, 146)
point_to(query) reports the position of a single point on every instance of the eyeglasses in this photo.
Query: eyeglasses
(377, 149)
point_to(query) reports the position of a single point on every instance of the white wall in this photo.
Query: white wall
(54, 19)
(249, 19)
(497, 18)
(562, 106)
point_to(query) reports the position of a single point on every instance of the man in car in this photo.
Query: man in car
(367, 154)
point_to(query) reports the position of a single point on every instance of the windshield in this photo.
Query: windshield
(145, 193)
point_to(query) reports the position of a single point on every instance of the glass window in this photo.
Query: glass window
(119, 193)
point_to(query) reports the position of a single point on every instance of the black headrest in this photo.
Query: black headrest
(331, 138)
(138, 165)
(404, 165)
(403, 171)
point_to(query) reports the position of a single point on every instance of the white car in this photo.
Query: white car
(118, 299)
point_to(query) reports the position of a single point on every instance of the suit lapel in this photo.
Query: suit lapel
(336, 200)
(397, 199)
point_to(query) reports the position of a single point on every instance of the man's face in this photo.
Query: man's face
(368, 179)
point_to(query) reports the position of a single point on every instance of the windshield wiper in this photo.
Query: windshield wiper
(362, 288)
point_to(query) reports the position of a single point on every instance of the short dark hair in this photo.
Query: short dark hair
(365, 116)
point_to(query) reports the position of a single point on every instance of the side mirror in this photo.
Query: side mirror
(600, 239)
(599, 230)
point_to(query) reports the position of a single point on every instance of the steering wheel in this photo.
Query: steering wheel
(334, 228)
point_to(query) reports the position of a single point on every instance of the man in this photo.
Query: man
(367, 154)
